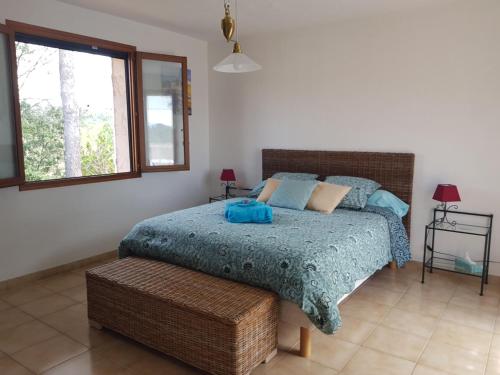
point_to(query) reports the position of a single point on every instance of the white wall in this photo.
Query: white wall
(45, 228)
(426, 82)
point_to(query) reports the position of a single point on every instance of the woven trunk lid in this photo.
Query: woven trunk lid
(227, 301)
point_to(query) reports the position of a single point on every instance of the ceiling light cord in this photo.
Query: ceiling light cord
(237, 20)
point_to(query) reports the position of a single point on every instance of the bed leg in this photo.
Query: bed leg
(95, 325)
(393, 265)
(305, 342)
(271, 356)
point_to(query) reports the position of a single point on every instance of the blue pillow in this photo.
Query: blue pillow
(257, 189)
(382, 198)
(293, 194)
(357, 197)
(295, 176)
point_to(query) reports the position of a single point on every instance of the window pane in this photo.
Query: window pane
(163, 114)
(8, 157)
(74, 113)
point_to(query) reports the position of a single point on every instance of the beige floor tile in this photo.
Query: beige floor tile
(471, 317)
(406, 321)
(11, 367)
(493, 366)
(291, 364)
(330, 351)
(412, 266)
(73, 322)
(471, 298)
(368, 361)
(81, 271)
(378, 295)
(424, 370)
(157, 364)
(420, 305)
(25, 294)
(78, 293)
(46, 305)
(27, 334)
(393, 285)
(403, 274)
(437, 281)
(364, 310)
(396, 343)
(87, 363)
(13, 317)
(123, 352)
(65, 319)
(288, 335)
(490, 289)
(495, 347)
(62, 282)
(453, 359)
(438, 293)
(463, 336)
(4, 305)
(48, 354)
(354, 330)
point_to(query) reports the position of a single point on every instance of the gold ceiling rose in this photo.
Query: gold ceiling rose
(228, 24)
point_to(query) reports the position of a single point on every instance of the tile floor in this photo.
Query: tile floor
(392, 325)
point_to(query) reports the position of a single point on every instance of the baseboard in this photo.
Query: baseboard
(26, 279)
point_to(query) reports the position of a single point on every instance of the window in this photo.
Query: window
(10, 171)
(75, 103)
(163, 112)
(76, 109)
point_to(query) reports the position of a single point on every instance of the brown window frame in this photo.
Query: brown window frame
(135, 172)
(14, 181)
(140, 109)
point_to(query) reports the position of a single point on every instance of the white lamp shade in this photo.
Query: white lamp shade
(237, 63)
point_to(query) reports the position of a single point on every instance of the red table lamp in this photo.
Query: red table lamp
(446, 193)
(228, 176)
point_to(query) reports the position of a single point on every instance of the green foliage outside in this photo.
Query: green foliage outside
(43, 129)
(97, 150)
(43, 139)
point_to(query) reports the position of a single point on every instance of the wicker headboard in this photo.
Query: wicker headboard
(394, 171)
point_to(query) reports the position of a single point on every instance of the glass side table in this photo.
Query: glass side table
(436, 260)
(234, 192)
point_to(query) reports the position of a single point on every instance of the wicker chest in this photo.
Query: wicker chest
(216, 325)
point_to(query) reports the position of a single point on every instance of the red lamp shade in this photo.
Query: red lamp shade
(227, 175)
(446, 193)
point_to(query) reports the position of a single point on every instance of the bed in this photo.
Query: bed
(313, 261)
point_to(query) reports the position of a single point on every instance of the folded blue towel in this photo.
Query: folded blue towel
(248, 211)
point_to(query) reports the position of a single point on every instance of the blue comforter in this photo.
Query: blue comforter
(308, 258)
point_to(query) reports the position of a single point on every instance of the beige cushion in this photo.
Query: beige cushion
(326, 197)
(271, 185)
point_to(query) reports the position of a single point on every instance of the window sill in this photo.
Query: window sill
(165, 168)
(7, 182)
(77, 181)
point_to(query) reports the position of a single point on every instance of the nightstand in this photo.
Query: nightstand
(234, 192)
(439, 260)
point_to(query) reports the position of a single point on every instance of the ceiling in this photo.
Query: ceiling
(201, 18)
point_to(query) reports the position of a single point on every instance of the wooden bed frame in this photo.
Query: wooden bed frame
(394, 171)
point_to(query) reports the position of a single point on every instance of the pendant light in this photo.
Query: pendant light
(236, 62)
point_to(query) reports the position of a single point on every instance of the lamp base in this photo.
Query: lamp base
(227, 187)
(446, 209)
